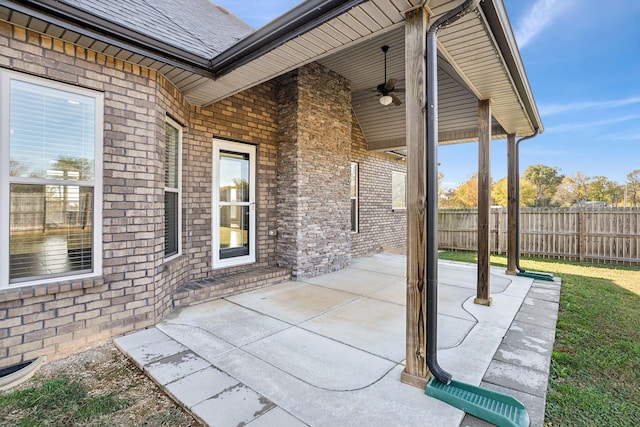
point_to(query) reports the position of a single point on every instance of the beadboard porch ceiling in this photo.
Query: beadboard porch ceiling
(478, 59)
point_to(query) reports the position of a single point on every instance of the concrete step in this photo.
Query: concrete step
(211, 288)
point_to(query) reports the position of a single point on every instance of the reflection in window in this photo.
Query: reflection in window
(172, 191)
(52, 138)
(398, 190)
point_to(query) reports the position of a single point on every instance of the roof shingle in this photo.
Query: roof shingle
(196, 26)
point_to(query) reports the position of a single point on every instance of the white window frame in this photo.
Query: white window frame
(178, 190)
(223, 145)
(393, 206)
(6, 77)
(355, 198)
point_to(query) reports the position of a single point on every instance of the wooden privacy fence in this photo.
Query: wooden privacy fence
(585, 234)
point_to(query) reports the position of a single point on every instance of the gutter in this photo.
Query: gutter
(517, 179)
(297, 21)
(431, 164)
(87, 24)
(498, 21)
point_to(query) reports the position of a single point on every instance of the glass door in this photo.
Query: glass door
(233, 204)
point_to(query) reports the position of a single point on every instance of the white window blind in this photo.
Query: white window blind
(172, 189)
(52, 140)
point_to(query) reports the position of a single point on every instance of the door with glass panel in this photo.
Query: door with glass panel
(234, 216)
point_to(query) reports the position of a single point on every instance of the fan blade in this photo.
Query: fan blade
(396, 100)
(390, 84)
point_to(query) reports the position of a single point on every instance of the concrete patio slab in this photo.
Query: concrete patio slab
(276, 417)
(320, 361)
(175, 367)
(237, 405)
(527, 345)
(148, 352)
(395, 293)
(199, 340)
(232, 323)
(538, 312)
(451, 300)
(517, 378)
(360, 282)
(382, 334)
(292, 302)
(501, 312)
(200, 386)
(452, 331)
(319, 355)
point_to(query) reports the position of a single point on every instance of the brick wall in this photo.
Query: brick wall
(57, 318)
(302, 128)
(313, 171)
(136, 286)
(381, 229)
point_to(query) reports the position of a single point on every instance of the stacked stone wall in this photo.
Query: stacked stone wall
(313, 171)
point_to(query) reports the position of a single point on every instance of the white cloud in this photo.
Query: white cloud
(538, 17)
(551, 109)
(590, 124)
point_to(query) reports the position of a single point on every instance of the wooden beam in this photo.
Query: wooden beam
(416, 372)
(512, 200)
(484, 200)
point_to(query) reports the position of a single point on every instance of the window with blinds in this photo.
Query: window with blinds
(51, 140)
(172, 166)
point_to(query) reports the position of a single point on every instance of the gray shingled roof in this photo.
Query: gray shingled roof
(196, 26)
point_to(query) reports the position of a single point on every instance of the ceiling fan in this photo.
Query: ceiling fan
(387, 89)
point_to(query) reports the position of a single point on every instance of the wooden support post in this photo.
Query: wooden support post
(484, 200)
(416, 372)
(513, 200)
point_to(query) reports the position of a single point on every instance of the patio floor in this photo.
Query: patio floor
(329, 350)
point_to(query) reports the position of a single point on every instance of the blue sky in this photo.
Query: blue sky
(583, 62)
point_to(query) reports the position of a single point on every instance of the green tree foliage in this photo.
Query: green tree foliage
(633, 187)
(546, 180)
(466, 195)
(605, 190)
(573, 189)
(500, 195)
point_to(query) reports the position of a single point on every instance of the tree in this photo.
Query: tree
(75, 168)
(500, 195)
(633, 187)
(572, 190)
(16, 168)
(546, 180)
(605, 190)
(466, 194)
(500, 192)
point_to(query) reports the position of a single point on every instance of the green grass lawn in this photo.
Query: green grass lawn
(595, 366)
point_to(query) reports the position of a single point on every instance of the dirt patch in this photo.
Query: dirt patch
(101, 371)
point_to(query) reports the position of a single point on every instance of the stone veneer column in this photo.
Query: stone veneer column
(314, 143)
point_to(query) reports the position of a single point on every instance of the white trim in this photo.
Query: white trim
(357, 196)
(218, 145)
(393, 207)
(97, 184)
(178, 190)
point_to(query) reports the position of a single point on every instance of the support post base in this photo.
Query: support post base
(419, 382)
(511, 272)
(483, 301)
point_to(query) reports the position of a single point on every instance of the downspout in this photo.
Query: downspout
(431, 162)
(524, 138)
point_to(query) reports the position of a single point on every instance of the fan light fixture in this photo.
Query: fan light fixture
(386, 100)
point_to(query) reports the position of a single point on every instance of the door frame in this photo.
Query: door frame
(242, 148)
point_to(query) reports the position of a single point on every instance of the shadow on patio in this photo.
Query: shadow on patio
(329, 350)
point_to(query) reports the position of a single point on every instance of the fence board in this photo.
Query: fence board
(602, 234)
